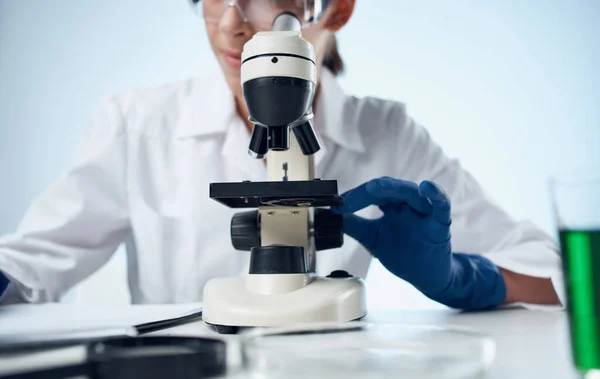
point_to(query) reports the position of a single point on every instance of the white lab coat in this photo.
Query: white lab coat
(142, 177)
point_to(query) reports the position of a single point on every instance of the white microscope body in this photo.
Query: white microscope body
(279, 79)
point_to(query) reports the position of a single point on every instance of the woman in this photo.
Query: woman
(142, 177)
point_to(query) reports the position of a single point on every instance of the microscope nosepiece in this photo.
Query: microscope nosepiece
(278, 77)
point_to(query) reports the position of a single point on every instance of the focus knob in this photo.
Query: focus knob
(245, 233)
(329, 229)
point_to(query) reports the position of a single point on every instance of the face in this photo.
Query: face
(228, 35)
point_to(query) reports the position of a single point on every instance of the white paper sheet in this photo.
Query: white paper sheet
(27, 322)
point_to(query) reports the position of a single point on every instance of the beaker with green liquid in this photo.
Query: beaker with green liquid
(576, 200)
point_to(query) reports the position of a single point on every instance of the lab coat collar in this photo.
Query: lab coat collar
(210, 109)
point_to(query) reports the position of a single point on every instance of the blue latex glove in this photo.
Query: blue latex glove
(3, 283)
(412, 240)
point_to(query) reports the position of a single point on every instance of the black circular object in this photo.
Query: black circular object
(138, 357)
(245, 231)
(307, 138)
(279, 138)
(278, 100)
(277, 260)
(339, 274)
(274, 60)
(329, 229)
(159, 357)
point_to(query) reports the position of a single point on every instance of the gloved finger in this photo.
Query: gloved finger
(432, 230)
(437, 232)
(363, 230)
(399, 191)
(438, 199)
(357, 199)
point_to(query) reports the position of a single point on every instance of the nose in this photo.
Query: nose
(234, 21)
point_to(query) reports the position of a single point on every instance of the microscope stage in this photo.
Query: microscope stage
(306, 193)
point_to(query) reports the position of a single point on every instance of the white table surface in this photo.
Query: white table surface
(529, 344)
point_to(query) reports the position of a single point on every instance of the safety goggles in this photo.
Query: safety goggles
(261, 13)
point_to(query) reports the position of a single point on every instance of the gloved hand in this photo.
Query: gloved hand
(412, 240)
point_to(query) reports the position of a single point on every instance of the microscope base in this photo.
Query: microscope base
(229, 305)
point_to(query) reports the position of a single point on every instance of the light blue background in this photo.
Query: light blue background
(510, 88)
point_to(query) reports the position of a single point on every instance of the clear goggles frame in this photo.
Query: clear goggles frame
(261, 13)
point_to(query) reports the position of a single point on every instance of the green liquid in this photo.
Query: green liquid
(581, 264)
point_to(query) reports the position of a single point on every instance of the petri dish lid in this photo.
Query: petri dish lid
(366, 350)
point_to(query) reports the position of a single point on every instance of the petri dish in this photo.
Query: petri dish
(366, 350)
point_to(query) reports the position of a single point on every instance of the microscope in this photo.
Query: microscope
(290, 221)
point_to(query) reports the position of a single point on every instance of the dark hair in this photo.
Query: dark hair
(333, 61)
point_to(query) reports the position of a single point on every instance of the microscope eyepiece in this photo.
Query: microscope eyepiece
(287, 21)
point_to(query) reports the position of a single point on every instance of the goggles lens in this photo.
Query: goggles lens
(261, 13)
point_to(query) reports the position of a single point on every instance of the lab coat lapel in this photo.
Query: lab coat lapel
(210, 109)
(211, 113)
(235, 151)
